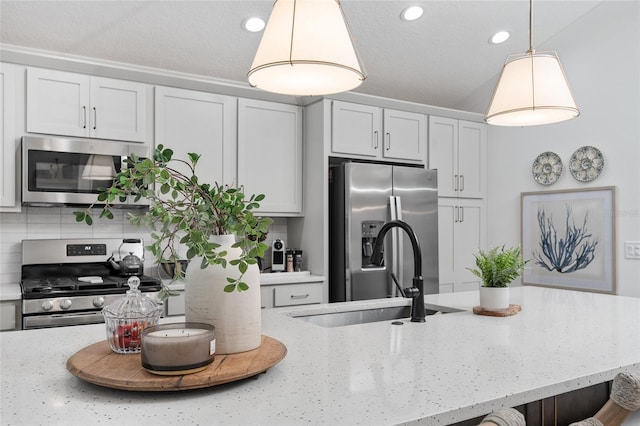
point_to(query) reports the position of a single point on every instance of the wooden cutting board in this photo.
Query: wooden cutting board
(99, 365)
(511, 310)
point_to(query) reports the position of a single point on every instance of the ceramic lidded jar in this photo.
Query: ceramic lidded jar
(128, 316)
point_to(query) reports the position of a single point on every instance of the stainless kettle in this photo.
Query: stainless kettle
(130, 264)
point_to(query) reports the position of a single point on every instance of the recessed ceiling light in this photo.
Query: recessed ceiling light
(499, 37)
(253, 25)
(411, 13)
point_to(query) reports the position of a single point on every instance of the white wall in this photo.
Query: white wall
(601, 56)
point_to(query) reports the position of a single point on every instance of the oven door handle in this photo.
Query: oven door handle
(59, 320)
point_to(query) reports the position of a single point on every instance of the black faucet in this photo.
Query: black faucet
(418, 312)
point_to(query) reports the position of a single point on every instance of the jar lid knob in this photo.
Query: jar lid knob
(133, 283)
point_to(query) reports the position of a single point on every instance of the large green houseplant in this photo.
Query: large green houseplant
(497, 268)
(186, 212)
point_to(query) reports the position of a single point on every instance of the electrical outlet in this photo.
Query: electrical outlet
(632, 249)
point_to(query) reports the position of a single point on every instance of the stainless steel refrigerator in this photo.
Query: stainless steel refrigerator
(362, 198)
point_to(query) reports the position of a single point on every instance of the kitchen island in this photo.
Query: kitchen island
(453, 367)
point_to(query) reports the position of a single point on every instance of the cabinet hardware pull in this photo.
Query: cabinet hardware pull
(300, 296)
(456, 215)
(388, 141)
(95, 118)
(84, 117)
(455, 182)
(375, 136)
(461, 182)
(461, 214)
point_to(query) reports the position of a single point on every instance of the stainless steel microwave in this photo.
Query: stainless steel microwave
(59, 171)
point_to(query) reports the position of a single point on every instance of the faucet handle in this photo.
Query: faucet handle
(411, 292)
(395, 281)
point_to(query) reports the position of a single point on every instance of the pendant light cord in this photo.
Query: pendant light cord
(531, 26)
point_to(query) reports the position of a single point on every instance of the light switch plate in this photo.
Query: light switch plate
(632, 249)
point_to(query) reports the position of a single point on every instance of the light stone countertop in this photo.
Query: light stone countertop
(450, 368)
(10, 292)
(265, 279)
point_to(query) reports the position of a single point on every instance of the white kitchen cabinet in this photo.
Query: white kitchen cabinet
(270, 155)
(266, 297)
(8, 178)
(175, 304)
(276, 296)
(70, 104)
(457, 148)
(10, 315)
(199, 122)
(376, 133)
(461, 232)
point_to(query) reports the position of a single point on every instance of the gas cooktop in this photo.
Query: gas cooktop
(36, 288)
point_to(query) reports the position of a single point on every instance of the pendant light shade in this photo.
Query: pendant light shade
(306, 49)
(532, 89)
(99, 167)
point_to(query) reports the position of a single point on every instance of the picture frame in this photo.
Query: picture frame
(569, 235)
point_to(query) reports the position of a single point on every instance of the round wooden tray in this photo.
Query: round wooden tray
(99, 365)
(511, 310)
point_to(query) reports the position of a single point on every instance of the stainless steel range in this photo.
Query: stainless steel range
(68, 282)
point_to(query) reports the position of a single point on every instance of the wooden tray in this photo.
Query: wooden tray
(511, 310)
(99, 365)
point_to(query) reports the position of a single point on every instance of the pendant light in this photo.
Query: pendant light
(306, 49)
(532, 89)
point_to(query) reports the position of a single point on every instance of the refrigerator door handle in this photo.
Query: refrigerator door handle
(393, 257)
(399, 244)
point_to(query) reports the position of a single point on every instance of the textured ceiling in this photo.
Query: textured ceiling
(439, 59)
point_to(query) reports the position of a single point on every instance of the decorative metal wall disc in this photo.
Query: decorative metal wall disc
(586, 163)
(547, 168)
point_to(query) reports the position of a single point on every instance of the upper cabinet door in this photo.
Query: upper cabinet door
(374, 133)
(70, 104)
(443, 152)
(58, 102)
(202, 123)
(8, 148)
(270, 155)
(405, 135)
(118, 110)
(457, 149)
(472, 146)
(356, 129)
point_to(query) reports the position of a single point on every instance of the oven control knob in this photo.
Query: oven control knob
(98, 302)
(47, 305)
(65, 304)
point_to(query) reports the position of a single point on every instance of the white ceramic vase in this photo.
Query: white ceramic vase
(494, 298)
(236, 316)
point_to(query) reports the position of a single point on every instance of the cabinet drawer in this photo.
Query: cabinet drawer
(175, 304)
(266, 297)
(297, 294)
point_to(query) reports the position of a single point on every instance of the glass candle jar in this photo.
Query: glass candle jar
(128, 316)
(178, 348)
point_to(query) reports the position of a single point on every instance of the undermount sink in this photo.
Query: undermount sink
(362, 316)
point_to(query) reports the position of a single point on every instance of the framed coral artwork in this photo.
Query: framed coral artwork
(569, 236)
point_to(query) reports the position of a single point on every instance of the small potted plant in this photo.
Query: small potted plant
(214, 225)
(497, 268)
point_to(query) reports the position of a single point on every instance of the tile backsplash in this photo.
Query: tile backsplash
(59, 222)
